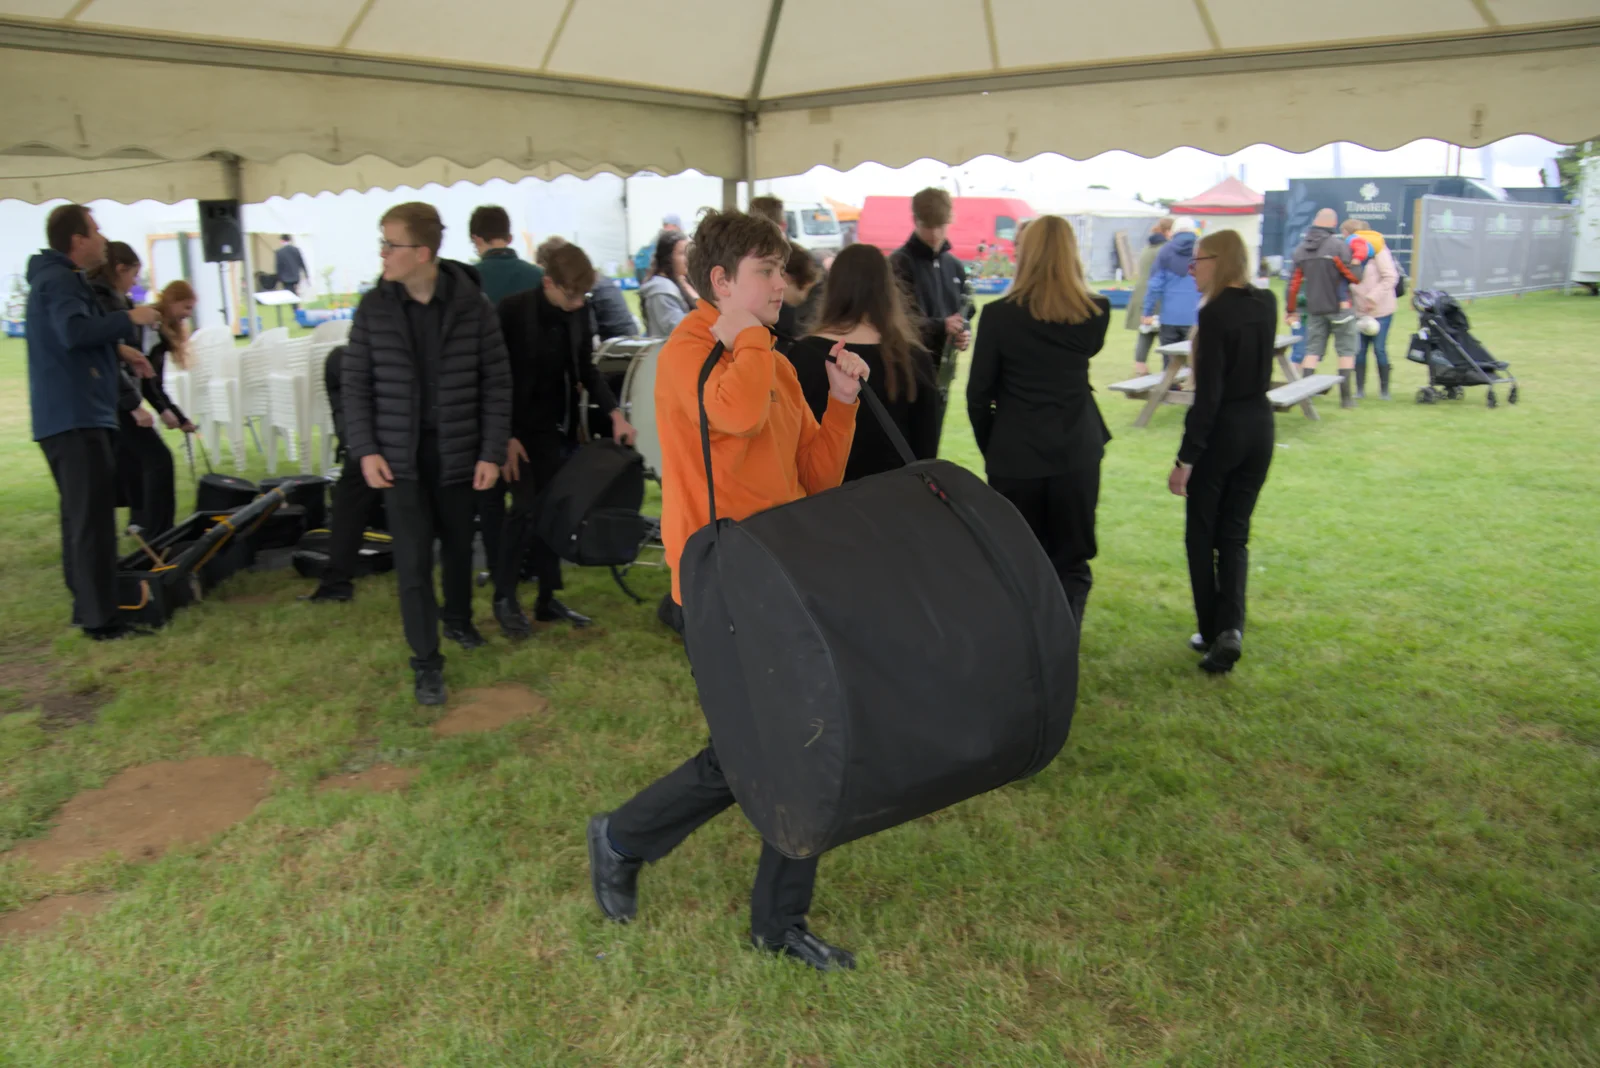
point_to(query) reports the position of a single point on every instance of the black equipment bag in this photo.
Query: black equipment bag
(375, 557)
(220, 493)
(309, 492)
(876, 652)
(589, 512)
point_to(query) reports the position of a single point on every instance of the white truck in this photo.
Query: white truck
(1586, 256)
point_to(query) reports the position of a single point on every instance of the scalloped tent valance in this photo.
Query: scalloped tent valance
(166, 99)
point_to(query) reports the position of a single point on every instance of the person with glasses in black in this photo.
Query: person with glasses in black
(427, 404)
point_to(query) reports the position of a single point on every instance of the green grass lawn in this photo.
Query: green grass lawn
(1374, 844)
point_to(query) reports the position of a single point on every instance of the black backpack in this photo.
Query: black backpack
(876, 652)
(589, 512)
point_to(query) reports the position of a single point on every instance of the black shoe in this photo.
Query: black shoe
(430, 687)
(513, 623)
(339, 593)
(1225, 652)
(801, 944)
(115, 632)
(466, 636)
(553, 610)
(615, 878)
(1199, 644)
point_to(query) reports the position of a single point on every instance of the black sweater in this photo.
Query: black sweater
(871, 452)
(1232, 361)
(1028, 395)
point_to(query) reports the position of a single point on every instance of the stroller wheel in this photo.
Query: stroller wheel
(1455, 393)
(1426, 395)
(1493, 401)
(1513, 397)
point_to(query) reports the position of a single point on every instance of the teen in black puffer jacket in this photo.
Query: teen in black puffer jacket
(471, 408)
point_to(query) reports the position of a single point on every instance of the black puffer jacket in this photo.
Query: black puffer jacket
(381, 379)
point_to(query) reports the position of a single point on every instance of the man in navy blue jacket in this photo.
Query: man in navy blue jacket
(73, 348)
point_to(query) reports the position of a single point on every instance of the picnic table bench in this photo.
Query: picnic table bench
(1162, 388)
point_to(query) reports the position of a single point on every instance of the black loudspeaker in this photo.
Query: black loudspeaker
(220, 232)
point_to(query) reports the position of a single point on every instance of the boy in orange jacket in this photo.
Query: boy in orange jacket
(767, 449)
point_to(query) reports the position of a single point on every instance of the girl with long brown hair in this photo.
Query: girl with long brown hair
(1227, 442)
(1031, 407)
(864, 308)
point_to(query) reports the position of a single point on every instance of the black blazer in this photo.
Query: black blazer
(552, 354)
(1028, 395)
(871, 451)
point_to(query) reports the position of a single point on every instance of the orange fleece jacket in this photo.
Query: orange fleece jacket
(767, 448)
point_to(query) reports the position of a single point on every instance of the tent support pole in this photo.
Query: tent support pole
(233, 182)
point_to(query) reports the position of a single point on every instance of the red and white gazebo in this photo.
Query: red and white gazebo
(1228, 205)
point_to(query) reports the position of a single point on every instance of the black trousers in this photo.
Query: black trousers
(652, 823)
(492, 520)
(354, 503)
(1060, 509)
(546, 454)
(663, 814)
(420, 510)
(84, 465)
(144, 464)
(1223, 488)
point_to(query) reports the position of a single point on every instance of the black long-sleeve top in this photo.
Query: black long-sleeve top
(154, 387)
(1028, 394)
(919, 421)
(1232, 360)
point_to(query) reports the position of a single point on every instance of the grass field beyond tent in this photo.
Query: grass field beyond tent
(1374, 844)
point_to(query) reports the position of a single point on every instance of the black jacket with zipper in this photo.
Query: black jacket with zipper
(552, 354)
(381, 379)
(936, 283)
(1028, 394)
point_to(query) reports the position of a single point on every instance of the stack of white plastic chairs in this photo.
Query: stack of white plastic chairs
(189, 387)
(289, 402)
(225, 408)
(255, 364)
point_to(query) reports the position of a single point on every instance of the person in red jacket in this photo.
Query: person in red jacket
(767, 449)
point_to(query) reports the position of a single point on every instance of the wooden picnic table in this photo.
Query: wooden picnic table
(1158, 389)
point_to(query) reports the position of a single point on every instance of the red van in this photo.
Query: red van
(886, 222)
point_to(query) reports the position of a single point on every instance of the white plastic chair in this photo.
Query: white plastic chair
(191, 388)
(289, 402)
(331, 333)
(321, 406)
(226, 407)
(255, 364)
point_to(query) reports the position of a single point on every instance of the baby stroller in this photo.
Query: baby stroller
(1454, 358)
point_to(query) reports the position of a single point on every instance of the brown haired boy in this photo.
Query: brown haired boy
(766, 449)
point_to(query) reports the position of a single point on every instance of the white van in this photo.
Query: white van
(813, 226)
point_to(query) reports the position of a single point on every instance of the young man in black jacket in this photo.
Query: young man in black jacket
(427, 404)
(935, 282)
(551, 346)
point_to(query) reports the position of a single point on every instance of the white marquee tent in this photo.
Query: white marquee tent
(167, 99)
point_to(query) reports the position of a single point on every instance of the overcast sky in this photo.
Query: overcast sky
(1183, 172)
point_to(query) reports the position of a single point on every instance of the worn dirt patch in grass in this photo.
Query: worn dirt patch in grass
(144, 811)
(45, 915)
(490, 708)
(26, 684)
(378, 779)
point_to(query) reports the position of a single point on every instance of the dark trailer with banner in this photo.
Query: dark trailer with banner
(1387, 205)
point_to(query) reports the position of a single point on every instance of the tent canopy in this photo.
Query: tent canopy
(171, 98)
(1228, 197)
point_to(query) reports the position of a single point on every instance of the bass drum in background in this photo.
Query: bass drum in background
(638, 400)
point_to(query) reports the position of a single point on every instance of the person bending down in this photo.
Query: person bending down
(766, 449)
